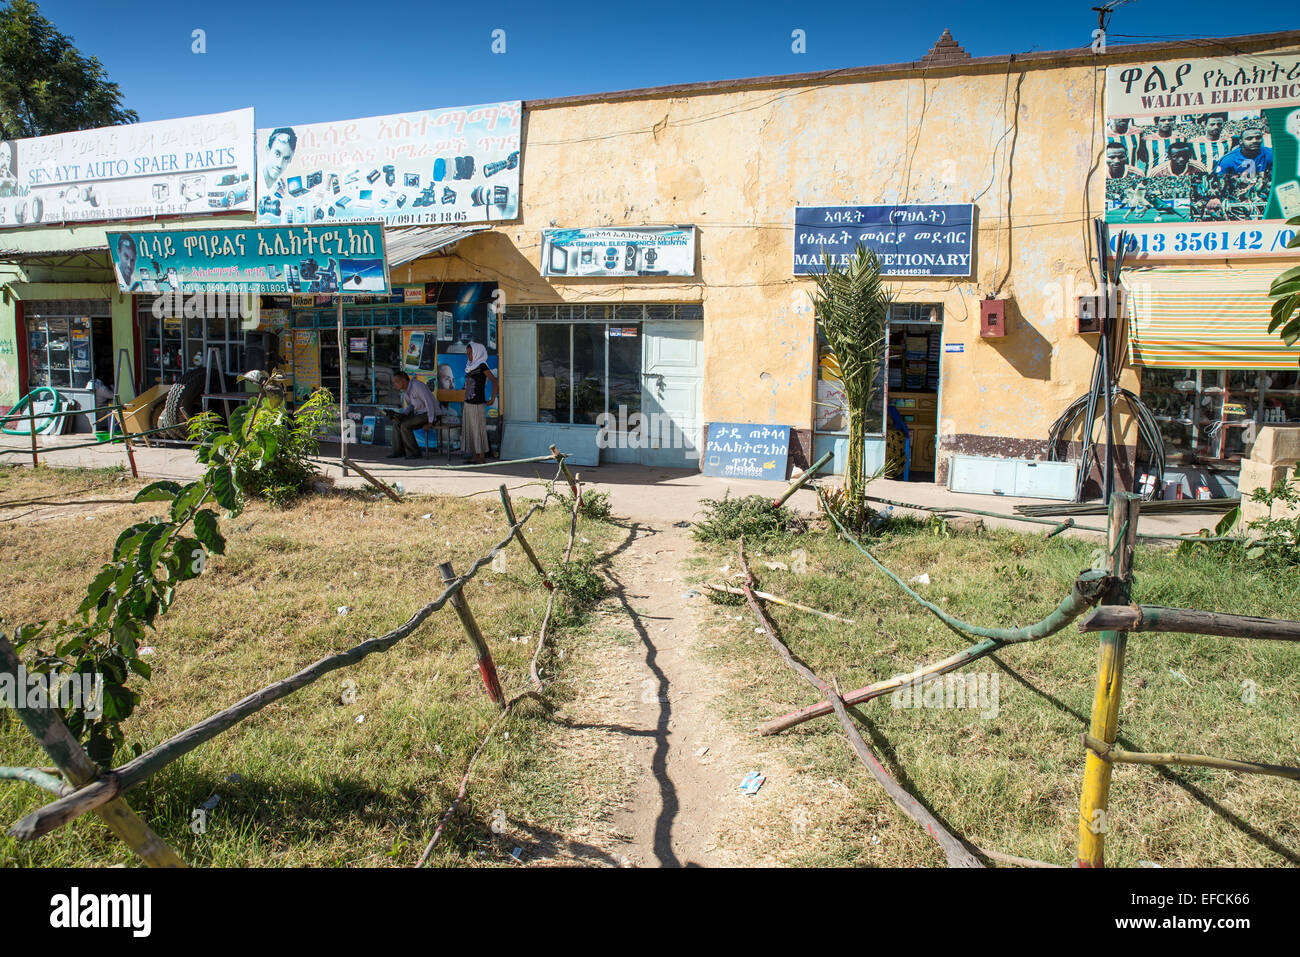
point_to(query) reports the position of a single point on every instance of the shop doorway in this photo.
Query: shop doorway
(101, 340)
(912, 391)
(671, 393)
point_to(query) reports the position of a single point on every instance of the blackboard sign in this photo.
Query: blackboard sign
(911, 240)
(736, 450)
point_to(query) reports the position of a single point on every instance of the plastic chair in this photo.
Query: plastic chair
(897, 421)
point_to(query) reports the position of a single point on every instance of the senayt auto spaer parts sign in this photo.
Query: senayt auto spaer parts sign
(911, 239)
(1203, 155)
(336, 259)
(194, 165)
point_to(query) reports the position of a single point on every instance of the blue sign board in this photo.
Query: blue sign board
(331, 259)
(736, 450)
(911, 240)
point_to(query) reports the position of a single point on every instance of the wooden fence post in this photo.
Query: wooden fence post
(31, 428)
(486, 666)
(523, 542)
(1093, 819)
(564, 467)
(126, 439)
(71, 759)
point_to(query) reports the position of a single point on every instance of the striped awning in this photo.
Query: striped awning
(1199, 318)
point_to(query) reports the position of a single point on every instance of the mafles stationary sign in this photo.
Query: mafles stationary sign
(1203, 155)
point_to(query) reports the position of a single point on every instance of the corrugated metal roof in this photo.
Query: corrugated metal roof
(409, 243)
(49, 256)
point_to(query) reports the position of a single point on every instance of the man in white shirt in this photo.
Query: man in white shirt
(419, 408)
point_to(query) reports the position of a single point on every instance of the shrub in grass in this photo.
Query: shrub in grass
(595, 505)
(726, 519)
(289, 473)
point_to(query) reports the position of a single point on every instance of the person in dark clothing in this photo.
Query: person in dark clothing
(473, 426)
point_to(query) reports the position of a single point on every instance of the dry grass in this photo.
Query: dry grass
(309, 780)
(1011, 782)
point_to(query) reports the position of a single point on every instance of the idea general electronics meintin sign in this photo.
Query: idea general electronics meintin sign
(189, 166)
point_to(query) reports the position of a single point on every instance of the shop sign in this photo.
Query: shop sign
(1202, 156)
(739, 450)
(457, 165)
(321, 260)
(190, 166)
(911, 240)
(602, 252)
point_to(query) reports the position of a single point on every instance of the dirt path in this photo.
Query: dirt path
(653, 694)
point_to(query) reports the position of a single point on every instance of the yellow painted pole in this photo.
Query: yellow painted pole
(1093, 806)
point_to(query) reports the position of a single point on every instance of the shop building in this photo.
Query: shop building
(584, 338)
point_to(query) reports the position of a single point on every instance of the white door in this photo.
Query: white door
(672, 393)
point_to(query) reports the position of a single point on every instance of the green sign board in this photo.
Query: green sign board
(333, 259)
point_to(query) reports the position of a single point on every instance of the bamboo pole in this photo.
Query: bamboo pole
(803, 480)
(1087, 590)
(732, 590)
(57, 813)
(486, 666)
(382, 486)
(1110, 753)
(523, 542)
(71, 759)
(38, 777)
(1189, 621)
(1104, 726)
(1068, 523)
(126, 440)
(954, 850)
(1030, 520)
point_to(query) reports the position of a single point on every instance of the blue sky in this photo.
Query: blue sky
(336, 59)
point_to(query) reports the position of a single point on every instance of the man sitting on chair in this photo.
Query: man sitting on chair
(419, 408)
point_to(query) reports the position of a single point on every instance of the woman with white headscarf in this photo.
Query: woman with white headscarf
(473, 426)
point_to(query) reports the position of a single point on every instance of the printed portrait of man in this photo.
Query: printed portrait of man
(1180, 162)
(1117, 162)
(1159, 144)
(1250, 161)
(8, 168)
(280, 147)
(1121, 130)
(126, 256)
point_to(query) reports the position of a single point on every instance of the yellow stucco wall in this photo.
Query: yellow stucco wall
(736, 163)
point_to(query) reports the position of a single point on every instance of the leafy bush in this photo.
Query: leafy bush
(595, 505)
(580, 582)
(1267, 541)
(726, 519)
(1275, 541)
(276, 464)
